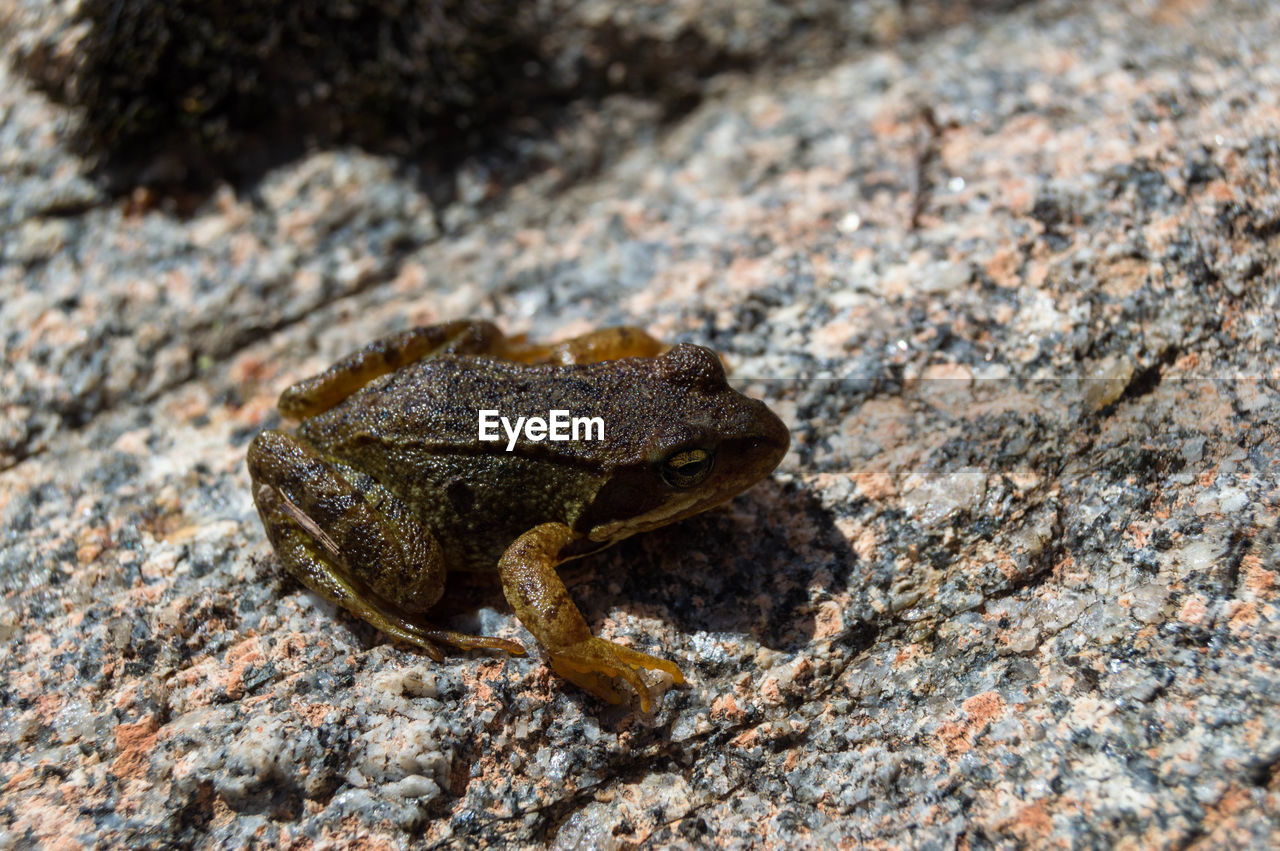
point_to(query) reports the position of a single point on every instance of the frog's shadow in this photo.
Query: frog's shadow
(752, 567)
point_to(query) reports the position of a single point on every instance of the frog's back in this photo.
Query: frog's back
(416, 432)
(432, 407)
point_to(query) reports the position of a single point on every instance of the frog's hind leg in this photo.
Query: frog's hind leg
(383, 356)
(352, 542)
(319, 393)
(623, 341)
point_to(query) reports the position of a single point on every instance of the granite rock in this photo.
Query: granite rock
(1012, 282)
(178, 95)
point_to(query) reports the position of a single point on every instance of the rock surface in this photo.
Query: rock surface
(189, 91)
(1013, 284)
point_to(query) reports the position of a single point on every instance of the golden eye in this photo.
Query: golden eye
(687, 468)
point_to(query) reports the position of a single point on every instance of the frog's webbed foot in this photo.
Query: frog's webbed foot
(596, 665)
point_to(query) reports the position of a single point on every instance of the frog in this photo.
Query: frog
(385, 488)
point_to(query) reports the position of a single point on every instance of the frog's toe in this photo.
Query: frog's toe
(427, 638)
(475, 642)
(411, 634)
(643, 661)
(593, 682)
(596, 665)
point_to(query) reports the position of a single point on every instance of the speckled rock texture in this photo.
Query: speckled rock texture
(1012, 282)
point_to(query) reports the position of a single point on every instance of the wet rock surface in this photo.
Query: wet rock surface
(1012, 284)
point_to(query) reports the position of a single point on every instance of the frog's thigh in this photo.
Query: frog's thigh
(321, 392)
(356, 545)
(329, 535)
(624, 341)
(541, 601)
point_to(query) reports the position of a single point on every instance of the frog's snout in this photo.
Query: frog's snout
(774, 438)
(761, 440)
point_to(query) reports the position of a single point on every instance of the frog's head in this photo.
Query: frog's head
(689, 442)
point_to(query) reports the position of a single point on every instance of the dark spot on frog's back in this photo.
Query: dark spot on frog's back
(688, 365)
(460, 495)
(571, 390)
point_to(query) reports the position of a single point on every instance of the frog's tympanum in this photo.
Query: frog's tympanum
(386, 486)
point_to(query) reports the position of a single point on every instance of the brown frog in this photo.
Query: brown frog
(386, 486)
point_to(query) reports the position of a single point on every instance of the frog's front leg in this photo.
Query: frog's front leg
(541, 601)
(352, 542)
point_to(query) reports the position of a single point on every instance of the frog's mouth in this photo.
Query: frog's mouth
(670, 511)
(643, 502)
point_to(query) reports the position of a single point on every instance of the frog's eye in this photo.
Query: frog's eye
(687, 467)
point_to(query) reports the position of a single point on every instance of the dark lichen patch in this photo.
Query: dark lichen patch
(176, 96)
(179, 93)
